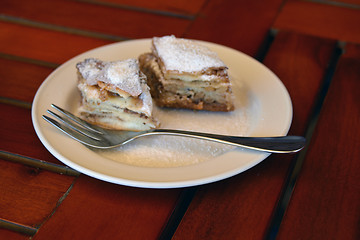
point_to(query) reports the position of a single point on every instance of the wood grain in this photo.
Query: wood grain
(21, 80)
(17, 134)
(95, 18)
(300, 61)
(231, 208)
(96, 209)
(29, 195)
(242, 25)
(40, 44)
(321, 20)
(7, 234)
(325, 203)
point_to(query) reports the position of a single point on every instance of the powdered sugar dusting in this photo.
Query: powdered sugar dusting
(171, 151)
(122, 74)
(185, 55)
(90, 69)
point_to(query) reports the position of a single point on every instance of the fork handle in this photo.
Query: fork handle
(281, 144)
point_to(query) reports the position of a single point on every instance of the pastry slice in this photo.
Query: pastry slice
(115, 95)
(182, 73)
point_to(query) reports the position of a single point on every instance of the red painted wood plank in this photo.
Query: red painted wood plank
(186, 7)
(322, 20)
(40, 44)
(230, 209)
(96, 18)
(300, 62)
(17, 134)
(21, 80)
(29, 195)
(242, 25)
(325, 203)
(96, 209)
(7, 234)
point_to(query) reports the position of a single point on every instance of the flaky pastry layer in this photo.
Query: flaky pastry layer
(176, 93)
(109, 104)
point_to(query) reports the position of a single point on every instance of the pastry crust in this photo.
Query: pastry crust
(115, 95)
(179, 79)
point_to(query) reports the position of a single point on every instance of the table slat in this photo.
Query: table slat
(326, 198)
(95, 18)
(18, 135)
(20, 80)
(300, 61)
(29, 195)
(42, 44)
(7, 234)
(96, 209)
(324, 20)
(242, 25)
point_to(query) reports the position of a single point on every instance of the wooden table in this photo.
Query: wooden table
(312, 46)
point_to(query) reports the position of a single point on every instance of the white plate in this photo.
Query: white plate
(263, 108)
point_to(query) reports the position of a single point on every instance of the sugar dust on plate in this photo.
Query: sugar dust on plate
(174, 151)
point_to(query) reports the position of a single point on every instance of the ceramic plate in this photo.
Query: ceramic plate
(263, 108)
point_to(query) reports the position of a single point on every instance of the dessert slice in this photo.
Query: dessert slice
(182, 73)
(115, 95)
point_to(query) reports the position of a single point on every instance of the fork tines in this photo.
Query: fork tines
(74, 127)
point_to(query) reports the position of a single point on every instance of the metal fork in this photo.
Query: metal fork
(98, 137)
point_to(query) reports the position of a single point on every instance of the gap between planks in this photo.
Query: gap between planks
(336, 3)
(32, 231)
(298, 160)
(38, 163)
(141, 9)
(19, 228)
(16, 102)
(58, 28)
